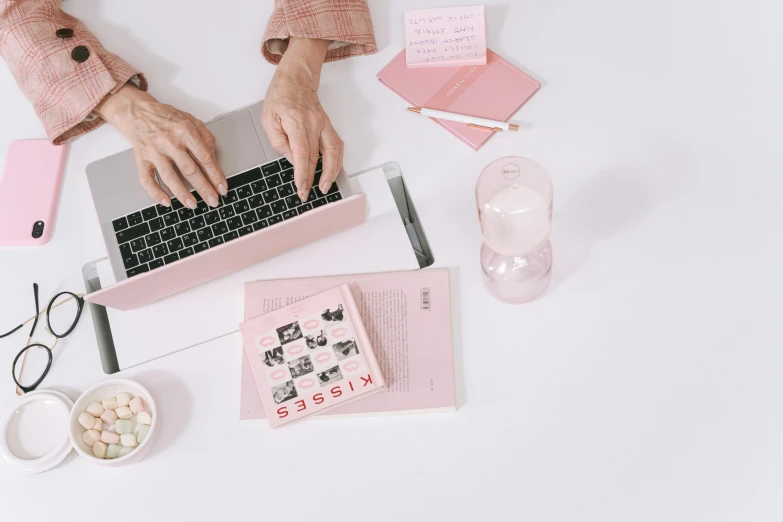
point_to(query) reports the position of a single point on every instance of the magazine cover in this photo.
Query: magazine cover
(311, 356)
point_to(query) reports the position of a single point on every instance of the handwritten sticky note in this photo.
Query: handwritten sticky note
(450, 37)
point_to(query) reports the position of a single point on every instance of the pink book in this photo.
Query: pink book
(407, 316)
(495, 91)
(311, 356)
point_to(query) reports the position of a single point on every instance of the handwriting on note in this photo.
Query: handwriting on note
(451, 37)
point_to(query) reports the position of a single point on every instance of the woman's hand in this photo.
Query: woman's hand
(294, 120)
(163, 136)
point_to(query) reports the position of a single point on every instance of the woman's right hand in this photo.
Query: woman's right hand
(162, 137)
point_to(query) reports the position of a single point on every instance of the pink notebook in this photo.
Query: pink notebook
(495, 91)
(311, 356)
(407, 316)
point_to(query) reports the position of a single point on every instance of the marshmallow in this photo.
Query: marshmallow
(109, 437)
(98, 426)
(137, 405)
(128, 440)
(109, 417)
(113, 452)
(95, 409)
(124, 412)
(144, 418)
(143, 431)
(123, 426)
(123, 399)
(110, 403)
(90, 437)
(99, 450)
(124, 451)
(86, 420)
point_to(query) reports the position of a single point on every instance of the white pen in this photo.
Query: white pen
(470, 121)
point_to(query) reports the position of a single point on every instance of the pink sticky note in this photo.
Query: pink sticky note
(449, 37)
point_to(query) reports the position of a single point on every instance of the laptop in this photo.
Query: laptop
(157, 251)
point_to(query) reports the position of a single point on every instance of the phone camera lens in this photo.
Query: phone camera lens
(38, 229)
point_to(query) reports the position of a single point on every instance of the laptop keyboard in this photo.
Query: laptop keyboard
(256, 199)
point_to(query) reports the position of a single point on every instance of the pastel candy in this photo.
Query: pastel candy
(123, 399)
(124, 412)
(95, 409)
(113, 451)
(124, 451)
(99, 450)
(128, 440)
(143, 431)
(144, 418)
(86, 420)
(137, 405)
(90, 437)
(109, 417)
(110, 403)
(109, 437)
(98, 426)
(123, 426)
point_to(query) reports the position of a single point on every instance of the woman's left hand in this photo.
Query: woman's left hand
(294, 119)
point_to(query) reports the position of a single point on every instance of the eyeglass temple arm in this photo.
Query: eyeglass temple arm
(35, 319)
(37, 309)
(12, 331)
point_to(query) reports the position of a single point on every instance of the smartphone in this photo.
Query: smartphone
(29, 192)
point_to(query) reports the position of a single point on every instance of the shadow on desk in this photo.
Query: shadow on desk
(159, 71)
(174, 403)
(609, 204)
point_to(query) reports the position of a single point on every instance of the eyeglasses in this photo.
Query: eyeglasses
(62, 315)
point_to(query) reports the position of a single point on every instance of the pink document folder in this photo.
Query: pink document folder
(495, 91)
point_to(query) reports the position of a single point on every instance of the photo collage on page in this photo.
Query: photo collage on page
(314, 352)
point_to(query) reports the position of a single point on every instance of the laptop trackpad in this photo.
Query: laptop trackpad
(237, 144)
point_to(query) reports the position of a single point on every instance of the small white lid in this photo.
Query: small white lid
(34, 431)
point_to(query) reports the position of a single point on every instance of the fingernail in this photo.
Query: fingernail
(212, 200)
(303, 195)
(165, 202)
(325, 186)
(222, 189)
(190, 203)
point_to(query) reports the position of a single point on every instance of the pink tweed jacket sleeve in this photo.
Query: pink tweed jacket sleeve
(65, 76)
(346, 22)
(65, 72)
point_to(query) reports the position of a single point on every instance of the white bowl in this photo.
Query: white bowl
(104, 390)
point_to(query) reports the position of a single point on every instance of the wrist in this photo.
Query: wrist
(305, 58)
(117, 107)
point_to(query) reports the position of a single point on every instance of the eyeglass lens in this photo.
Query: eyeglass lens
(63, 314)
(30, 369)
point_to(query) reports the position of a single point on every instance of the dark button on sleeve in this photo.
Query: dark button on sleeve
(64, 33)
(80, 54)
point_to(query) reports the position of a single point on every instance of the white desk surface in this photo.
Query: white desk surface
(645, 387)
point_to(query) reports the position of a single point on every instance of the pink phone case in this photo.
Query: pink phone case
(29, 192)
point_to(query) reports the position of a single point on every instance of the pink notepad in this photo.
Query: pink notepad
(311, 356)
(407, 316)
(450, 37)
(495, 91)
